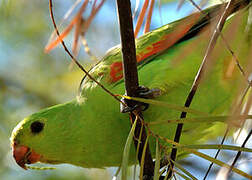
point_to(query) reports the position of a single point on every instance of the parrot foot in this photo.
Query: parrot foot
(142, 92)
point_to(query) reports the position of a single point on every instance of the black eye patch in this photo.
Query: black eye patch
(37, 127)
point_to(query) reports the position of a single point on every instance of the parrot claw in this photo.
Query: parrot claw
(142, 92)
(126, 109)
(147, 177)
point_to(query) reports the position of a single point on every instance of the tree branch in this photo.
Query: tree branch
(131, 79)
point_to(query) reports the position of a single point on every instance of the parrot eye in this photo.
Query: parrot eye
(37, 127)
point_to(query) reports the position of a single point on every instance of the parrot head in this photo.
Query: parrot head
(22, 151)
(41, 137)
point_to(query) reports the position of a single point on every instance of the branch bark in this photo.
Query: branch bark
(131, 79)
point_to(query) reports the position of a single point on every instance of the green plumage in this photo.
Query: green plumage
(91, 132)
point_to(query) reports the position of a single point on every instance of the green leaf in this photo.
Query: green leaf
(143, 157)
(182, 175)
(184, 170)
(126, 151)
(207, 119)
(218, 146)
(209, 158)
(164, 104)
(137, 151)
(157, 162)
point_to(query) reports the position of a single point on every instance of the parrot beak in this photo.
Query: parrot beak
(24, 155)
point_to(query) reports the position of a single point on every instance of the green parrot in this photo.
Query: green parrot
(90, 131)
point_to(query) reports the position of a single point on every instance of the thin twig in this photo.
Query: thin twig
(238, 107)
(217, 153)
(199, 76)
(196, 6)
(141, 17)
(199, 154)
(87, 49)
(95, 10)
(239, 152)
(226, 44)
(243, 97)
(54, 43)
(242, 72)
(73, 58)
(149, 16)
(66, 16)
